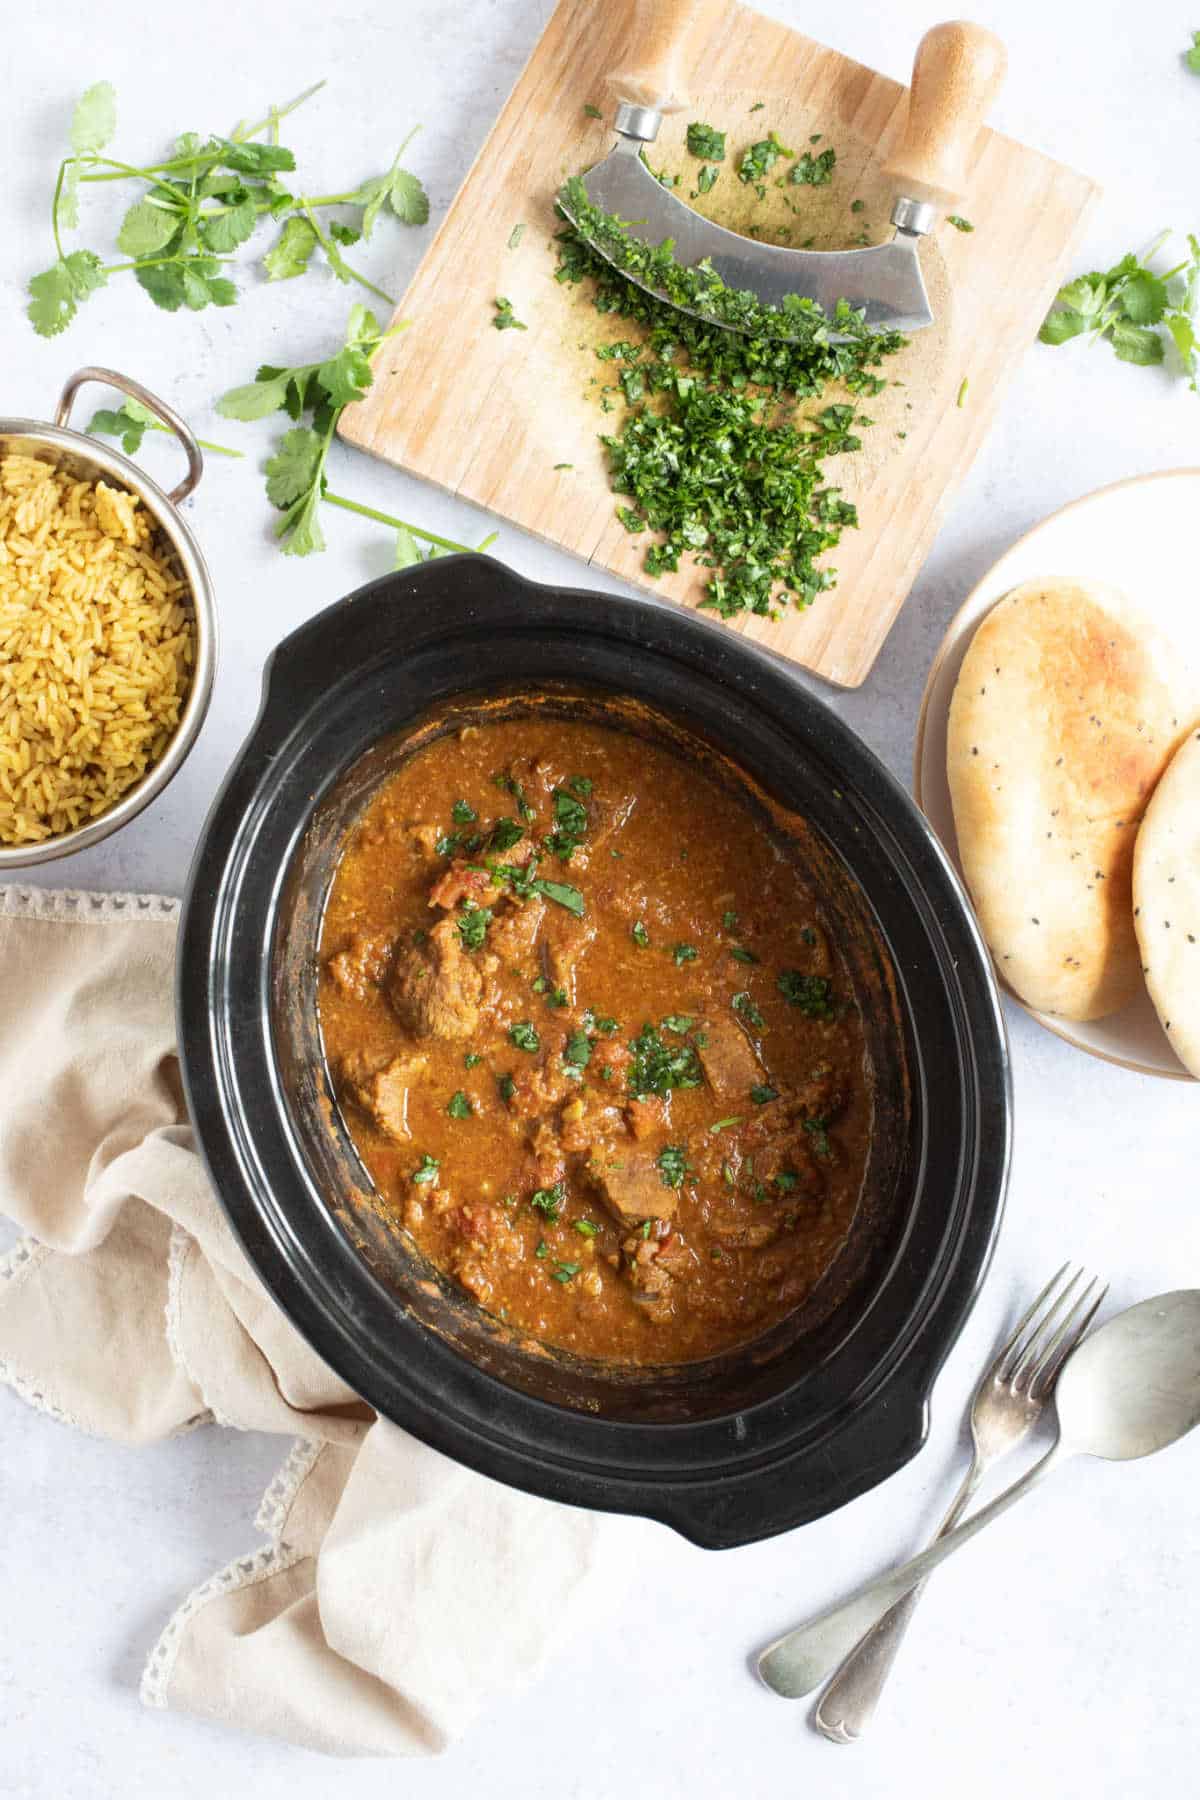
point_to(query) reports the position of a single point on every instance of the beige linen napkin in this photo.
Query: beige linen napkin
(396, 1593)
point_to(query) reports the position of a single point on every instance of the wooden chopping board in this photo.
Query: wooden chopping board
(488, 414)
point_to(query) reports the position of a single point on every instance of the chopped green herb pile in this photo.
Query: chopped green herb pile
(706, 142)
(197, 206)
(814, 171)
(710, 452)
(506, 319)
(296, 478)
(656, 1068)
(761, 157)
(1135, 307)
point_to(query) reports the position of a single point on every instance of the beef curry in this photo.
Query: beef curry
(593, 1040)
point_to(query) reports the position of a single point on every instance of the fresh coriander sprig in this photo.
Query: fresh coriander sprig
(1131, 306)
(296, 479)
(1192, 57)
(132, 423)
(196, 208)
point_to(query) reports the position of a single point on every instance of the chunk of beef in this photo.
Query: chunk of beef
(380, 1089)
(746, 1234)
(514, 934)
(460, 882)
(654, 1265)
(435, 987)
(631, 1184)
(605, 819)
(361, 965)
(728, 1059)
(646, 1117)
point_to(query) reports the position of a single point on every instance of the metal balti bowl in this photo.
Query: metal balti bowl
(87, 459)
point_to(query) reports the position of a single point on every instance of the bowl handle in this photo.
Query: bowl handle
(164, 413)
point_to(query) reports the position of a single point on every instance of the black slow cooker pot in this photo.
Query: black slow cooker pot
(728, 1450)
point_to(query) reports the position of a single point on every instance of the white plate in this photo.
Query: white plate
(1139, 535)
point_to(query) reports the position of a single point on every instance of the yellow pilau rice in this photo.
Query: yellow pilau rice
(96, 648)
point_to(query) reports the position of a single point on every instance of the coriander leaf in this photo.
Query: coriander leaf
(259, 398)
(251, 158)
(524, 1037)
(408, 552)
(293, 484)
(426, 1170)
(758, 161)
(346, 376)
(1192, 57)
(1085, 295)
(291, 252)
(593, 112)
(684, 953)
(473, 925)
(458, 1106)
(506, 319)
(640, 935)
(1144, 298)
(344, 234)
(1136, 343)
(706, 142)
(55, 295)
(94, 119)
(706, 180)
(563, 894)
(578, 1051)
(958, 222)
(408, 199)
(656, 1068)
(115, 424)
(763, 1095)
(585, 1228)
(147, 228)
(1062, 324)
(566, 1271)
(745, 1008)
(223, 232)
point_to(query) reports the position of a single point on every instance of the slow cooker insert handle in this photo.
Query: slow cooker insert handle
(165, 414)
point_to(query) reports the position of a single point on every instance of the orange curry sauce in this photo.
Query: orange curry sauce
(592, 1041)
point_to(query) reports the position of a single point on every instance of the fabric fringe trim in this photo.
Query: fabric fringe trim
(244, 1571)
(78, 906)
(16, 1265)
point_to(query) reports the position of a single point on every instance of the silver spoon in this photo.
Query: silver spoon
(1130, 1389)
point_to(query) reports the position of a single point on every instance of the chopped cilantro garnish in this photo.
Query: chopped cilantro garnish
(543, 1250)
(565, 1271)
(473, 924)
(426, 1169)
(761, 1095)
(472, 1059)
(448, 843)
(506, 319)
(811, 993)
(504, 834)
(578, 1050)
(507, 1087)
(818, 1130)
(462, 814)
(730, 921)
(562, 894)
(640, 935)
(585, 1228)
(672, 1165)
(684, 953)
(814, 171)
(571, 822)
(605, 1024)
(739, 954)
(785, 1181)
(758, 161)
(549, 1201)
(678, 1023)
(524, 1037)
(958, 222)
(581, 786)
(706, 180)
(706, 142)
(722, 1124)
(656, 1068)
(459, 1106)
(745, 1008)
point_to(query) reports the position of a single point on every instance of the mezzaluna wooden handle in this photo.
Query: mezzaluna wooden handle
(668, 37)
(957, 73)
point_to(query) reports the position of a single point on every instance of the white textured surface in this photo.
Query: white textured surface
(1058, 1656)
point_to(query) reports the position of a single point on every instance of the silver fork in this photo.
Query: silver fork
(1010, 1399)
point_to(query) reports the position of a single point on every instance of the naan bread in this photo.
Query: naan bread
(1067, 709)
(1166, 901)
